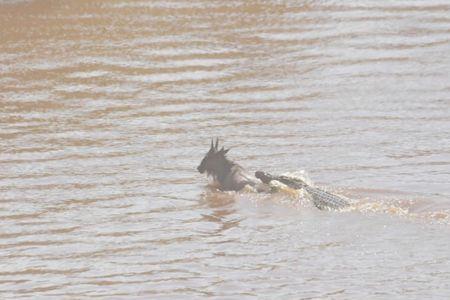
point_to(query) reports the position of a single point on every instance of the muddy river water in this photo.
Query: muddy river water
(107, 108)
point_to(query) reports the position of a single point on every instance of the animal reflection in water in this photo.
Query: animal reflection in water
(230, 176)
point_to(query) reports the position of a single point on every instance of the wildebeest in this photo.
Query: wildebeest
(229, 175)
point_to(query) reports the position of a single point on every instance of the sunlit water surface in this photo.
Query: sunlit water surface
(107, 107)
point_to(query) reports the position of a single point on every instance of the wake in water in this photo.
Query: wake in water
(402, 208)
(301, 198)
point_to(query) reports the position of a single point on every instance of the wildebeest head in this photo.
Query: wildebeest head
(215, 160)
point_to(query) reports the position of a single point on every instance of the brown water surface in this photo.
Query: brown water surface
(107, 107)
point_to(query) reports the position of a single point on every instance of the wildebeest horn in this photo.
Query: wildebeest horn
(212, 144)
(224, 151)
(217, 144)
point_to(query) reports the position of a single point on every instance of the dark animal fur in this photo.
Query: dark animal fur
(229, 175)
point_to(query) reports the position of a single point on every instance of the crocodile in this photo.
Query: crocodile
(320, 198)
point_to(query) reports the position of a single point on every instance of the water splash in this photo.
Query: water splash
(300, 199)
